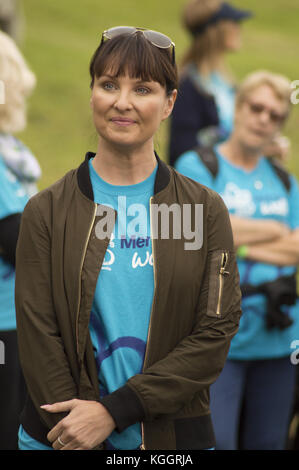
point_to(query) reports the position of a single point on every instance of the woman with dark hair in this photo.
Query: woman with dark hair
(123, 322)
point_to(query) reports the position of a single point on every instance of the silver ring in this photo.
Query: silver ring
(60, 441)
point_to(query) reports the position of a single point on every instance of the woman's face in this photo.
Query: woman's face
(127, 111)
(18, 85)
(232, 36)
(259, 117)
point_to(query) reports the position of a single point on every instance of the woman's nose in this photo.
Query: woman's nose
(265, 117)
(123, 100)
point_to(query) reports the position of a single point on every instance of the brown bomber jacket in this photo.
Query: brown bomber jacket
(195, 313)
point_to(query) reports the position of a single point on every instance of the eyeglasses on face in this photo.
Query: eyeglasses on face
(258, 108)
(154, 37)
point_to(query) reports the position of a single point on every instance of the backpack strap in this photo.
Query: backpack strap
(281, 172)
(209, 159)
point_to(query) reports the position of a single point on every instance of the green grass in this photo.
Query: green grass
(60, 37)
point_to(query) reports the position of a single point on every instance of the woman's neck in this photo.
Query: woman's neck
(239, 154)
(210, 65)
(124, 166)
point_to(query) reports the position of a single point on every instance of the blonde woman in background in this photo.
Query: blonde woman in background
(252, 399)
(204, 110)
(19, 172)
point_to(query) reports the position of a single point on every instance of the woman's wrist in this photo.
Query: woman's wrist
(242, 251)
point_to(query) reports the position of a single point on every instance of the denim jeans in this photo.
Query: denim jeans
(251, 403)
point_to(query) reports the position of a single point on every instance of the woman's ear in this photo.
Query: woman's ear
(170, 100)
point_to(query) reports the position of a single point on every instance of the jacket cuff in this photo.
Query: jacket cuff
(124, 406)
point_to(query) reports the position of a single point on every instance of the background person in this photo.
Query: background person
(104, 364)
(12, 18)
(204, 110)
(18, 174)
(252, 399)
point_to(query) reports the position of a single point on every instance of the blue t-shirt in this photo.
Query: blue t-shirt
(256, 194)
(123, 297)
(13, 198)
(224, 95)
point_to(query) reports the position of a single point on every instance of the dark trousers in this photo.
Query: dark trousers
(251, 403)
(12, 391)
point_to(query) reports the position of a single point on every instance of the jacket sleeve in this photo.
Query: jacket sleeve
(195, 363)
(40, 345)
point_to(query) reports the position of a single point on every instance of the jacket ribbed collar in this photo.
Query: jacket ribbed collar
(83, 177)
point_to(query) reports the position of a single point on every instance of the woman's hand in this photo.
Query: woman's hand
(87, 425)
(279, 148)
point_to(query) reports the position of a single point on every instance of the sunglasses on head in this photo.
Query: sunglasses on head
(258, 108)
(154, 37)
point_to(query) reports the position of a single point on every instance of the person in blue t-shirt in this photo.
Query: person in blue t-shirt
(204, 110)
(252, 399)
(19, 171)
(110, 300)
(127, 111)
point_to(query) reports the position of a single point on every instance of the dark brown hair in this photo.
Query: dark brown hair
(135, 55)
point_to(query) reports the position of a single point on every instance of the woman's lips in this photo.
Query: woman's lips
(259, 132)
(122, 121)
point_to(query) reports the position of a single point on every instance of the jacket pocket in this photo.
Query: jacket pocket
(218, 273)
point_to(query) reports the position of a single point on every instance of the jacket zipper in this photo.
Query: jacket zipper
(80, 274)
(142, 447)
(222, 273)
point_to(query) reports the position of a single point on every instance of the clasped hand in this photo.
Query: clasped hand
(87, 425)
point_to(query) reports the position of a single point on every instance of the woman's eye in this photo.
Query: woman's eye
(143, 90)
(108, 86)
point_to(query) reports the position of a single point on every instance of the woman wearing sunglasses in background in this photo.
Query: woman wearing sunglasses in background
(117, 323)
(252, 399)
